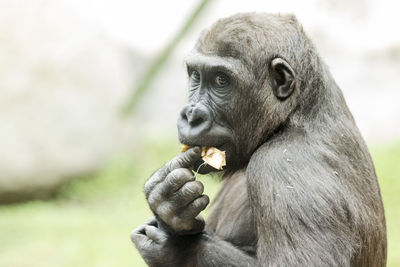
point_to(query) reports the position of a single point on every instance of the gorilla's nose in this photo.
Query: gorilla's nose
(195, 115)
(195, 119)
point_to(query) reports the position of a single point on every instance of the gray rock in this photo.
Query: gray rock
(62, 84)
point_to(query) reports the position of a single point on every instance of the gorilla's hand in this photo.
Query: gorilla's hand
(151, 242)
(174, 195)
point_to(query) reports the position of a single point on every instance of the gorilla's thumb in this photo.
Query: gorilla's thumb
(185, 159)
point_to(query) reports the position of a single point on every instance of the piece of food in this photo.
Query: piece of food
(214, 157)
(211, 155)
(184, 148)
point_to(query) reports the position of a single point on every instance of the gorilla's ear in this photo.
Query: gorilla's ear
(283, 77)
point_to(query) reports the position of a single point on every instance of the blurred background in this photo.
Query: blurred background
(89, 96)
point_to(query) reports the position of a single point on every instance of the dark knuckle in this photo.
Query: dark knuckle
(180, 172)
(175, 162)
(181, 161)
(195, 187)
(175, 175)
(174, 179)
(186, 157)
(187, 173)
(159, 210)
(189, 188)
(175, 221)
(152, 199)
(163, 209)
(169, 164)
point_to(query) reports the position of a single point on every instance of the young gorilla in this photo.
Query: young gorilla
(299, 187)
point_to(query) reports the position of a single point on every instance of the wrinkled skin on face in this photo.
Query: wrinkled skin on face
(226, 104)
(206, 119)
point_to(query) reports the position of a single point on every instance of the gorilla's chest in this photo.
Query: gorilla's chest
(231, 216)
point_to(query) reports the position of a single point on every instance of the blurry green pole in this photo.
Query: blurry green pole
(159, 62)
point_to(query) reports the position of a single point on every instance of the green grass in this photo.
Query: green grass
(89, 223)
(387, 163)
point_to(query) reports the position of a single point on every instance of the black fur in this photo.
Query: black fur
(299, 188)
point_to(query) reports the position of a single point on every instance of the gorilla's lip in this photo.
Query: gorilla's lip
(219, 143)
(221, 147)
(217, 136)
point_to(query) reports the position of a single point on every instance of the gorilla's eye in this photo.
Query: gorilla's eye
(221, 80)
(195, 76)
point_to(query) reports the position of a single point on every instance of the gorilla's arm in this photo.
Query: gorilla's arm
(300, 205)
(161, 248)
(201, 250)
(212, 251)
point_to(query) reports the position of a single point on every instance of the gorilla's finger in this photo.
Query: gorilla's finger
(184, 160)
(156, 178)
(138, 236)
(197, 226)
(188, 192)
(152, 221)
(195, 207)
(140, 229)
(155, 234)
(176, 179)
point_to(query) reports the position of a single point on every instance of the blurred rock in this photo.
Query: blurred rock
(62, 84)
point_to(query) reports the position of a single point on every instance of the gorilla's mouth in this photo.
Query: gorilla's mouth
(214, 135)
(203, 168)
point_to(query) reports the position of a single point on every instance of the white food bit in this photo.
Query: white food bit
(214, 157)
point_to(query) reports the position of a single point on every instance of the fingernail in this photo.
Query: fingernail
(196, 149)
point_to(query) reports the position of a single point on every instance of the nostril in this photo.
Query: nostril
(184, 113)
(196, 122)
(184, 117)
(195, 117)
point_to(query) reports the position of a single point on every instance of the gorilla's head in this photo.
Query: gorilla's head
(244, 81)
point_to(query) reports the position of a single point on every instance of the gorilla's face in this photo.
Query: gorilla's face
(234, 105)
(207, 119)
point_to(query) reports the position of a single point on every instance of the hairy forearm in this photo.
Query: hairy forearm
(209, 250)
(204, 249)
